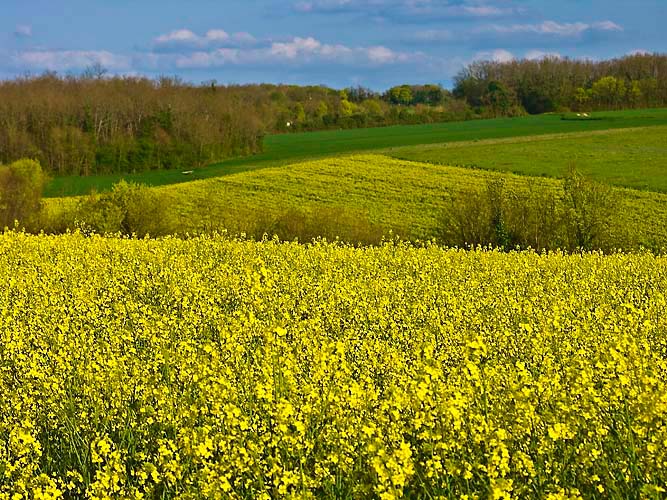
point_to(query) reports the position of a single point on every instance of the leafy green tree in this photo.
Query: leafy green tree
(634, 93)
(322, 110)
(582, 97)
(21, 186)
(299, 113)
(609, 91)
(400, 95)
(346, 108)
(500, 98)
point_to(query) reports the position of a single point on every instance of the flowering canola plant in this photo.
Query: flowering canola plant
(217, 368)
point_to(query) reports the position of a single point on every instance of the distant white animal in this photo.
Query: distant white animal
(187, 172)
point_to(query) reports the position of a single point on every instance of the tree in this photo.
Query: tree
(609, 91)
(21, 186)
(299, 113)
(400, 95)
(582, 96)
(94, 71)
(346, 108)
(500, 98)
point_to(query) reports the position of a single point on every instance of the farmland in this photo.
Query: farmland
(223, 368)
(390, 196)
(333, 249)
(635, 158)
(224, 360)
(285, 149)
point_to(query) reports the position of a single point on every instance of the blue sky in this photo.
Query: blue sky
(375, 43)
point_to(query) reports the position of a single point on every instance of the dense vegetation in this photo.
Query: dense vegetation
(92, 124)
(555, 84)
(230, 369)
(284, 149)
(224, 360)
(21, 186)
(362, 198)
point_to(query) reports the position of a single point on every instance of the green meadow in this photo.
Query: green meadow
(634, 158)
(290, 148)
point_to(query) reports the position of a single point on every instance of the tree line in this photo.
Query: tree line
(89, 124)
(92, 124)
(560, 84)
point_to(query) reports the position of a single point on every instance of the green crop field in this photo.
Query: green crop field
(290, 148)
(405, 197)
(635, 158)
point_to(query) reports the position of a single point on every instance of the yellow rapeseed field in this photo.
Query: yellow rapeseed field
(214, 368)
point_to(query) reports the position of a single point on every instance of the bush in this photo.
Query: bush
(591, 209)
(579, 217)
(131, 209)
(21, 186)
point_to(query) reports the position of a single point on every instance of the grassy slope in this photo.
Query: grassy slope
(635, 158)
(286, 149)
(406, 196)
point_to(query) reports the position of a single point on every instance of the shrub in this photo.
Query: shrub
(21, 186)
(129, 208)
(579, 217)
(591, 207)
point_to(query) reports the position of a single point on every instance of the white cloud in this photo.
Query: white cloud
(185, 38)
(191, 51)
(484, 10)
(244, 38)
(296, 47)
(383, 55)
(503, 56)
(219, 57)
(639, 52)
(66, 60)
(607, 26)
(23, 31)
(407, 9)
(177, 36)
(217, 35)
(497, 55)
(552, 28)
(197, 53)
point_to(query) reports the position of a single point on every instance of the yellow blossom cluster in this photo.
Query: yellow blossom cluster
(218, 368)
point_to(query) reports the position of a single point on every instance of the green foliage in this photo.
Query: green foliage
(101, 125)
(128, 208)
(400, 95)
(579, 216)
(609, 92)
(283, 149)
(500, 99)
(21, 186)
(555, 84)
(591, 209)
